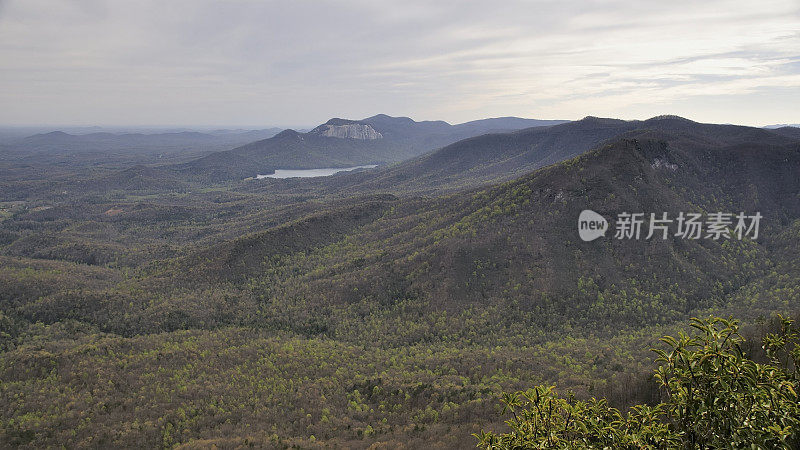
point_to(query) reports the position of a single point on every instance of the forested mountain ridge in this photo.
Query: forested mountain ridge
(496, 157)
(48, 165)
(400, 138)
(521, 233)
(231, 317)
(521, 236)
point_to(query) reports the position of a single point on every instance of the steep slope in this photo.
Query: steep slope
(344, 129)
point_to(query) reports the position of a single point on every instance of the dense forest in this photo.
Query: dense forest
(157, 306)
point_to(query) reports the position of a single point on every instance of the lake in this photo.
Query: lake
(307, 173)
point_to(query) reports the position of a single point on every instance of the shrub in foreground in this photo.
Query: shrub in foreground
(714, 397)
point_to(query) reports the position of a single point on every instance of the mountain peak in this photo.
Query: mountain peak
(379, 117)
(386, 119)
(600, 120)
(338, 122)
(347, 129)
(288, 133)
(669, 117)
(52, 134)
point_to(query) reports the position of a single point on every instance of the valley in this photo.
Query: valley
(374, 225)
(175, 304)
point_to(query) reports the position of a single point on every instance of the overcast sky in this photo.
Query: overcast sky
(290, 63)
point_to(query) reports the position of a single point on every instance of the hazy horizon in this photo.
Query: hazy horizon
(190, 64)
(121, 128)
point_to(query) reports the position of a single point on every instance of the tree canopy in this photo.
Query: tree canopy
(714, 396)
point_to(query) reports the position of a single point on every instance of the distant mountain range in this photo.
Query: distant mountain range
(378, 139)
(416, 156)
(782, 125)
(511, 245)
(497, 157)
(136, 148)
(56, 140)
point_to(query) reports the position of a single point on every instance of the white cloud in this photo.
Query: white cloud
(300, 62)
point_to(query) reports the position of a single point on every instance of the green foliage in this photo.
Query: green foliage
(716, 397)
(542, 419)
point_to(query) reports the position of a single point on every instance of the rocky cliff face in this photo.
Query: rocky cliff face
(349, 131)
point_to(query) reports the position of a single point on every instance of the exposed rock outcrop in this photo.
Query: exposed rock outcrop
(348, 131)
